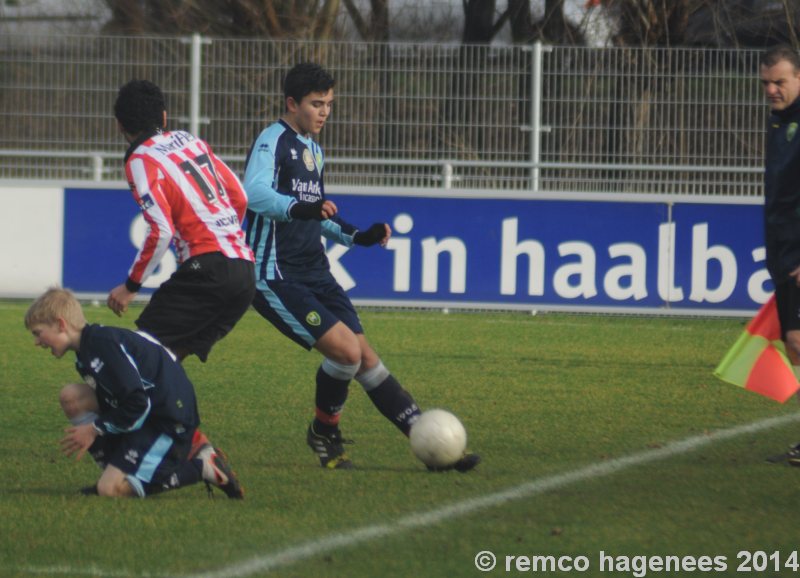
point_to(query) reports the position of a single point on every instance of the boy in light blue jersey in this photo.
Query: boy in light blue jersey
(287, 214)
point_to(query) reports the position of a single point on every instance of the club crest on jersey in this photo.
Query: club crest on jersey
(791, 130)
(146, 202)
(313, 319)
(308, 159)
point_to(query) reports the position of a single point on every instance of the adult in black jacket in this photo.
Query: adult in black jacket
(780, 77)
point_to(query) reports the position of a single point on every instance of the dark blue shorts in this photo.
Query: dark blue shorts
(305, 310)
(146, 456)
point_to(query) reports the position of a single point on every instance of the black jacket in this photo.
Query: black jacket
(782, 192)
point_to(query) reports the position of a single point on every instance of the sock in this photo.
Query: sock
(333, 380)
(389, 397)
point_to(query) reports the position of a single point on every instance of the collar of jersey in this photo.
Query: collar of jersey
(148, 134)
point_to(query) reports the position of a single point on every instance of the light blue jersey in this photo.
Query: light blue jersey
(284, 168)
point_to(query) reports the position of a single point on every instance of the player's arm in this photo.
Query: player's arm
(149, 192)
(339, 231)
(119, 376)
(259, 177)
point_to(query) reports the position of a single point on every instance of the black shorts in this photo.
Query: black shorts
(200, 303)
(305, 310)
(787, 300)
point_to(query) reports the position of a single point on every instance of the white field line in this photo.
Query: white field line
(310, 549)
(267, 562)
(92, 571)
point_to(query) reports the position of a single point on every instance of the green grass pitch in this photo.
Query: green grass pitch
(548, 400)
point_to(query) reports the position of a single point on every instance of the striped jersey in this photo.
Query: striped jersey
(188, 196)
(284, 168)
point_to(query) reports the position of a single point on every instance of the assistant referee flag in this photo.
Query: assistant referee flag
(757, 361)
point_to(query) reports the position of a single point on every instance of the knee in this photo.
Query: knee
(337, 370)
(348, 352)
(114, 486)
(77, 399)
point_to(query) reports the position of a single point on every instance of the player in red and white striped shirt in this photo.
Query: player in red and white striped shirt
(192, 199)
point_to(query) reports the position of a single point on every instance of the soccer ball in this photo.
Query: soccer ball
(437, 438)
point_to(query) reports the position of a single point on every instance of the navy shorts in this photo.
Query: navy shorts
(200, 303)
(787, 300)
(146, 456)
(305, 310)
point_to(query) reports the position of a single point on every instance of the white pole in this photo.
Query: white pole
(194, 85)
(536, 113)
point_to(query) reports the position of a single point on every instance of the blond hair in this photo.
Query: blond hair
(54, 304)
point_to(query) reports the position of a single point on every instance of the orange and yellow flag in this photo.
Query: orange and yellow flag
(757, 361)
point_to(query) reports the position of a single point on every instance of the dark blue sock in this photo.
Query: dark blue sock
(395, 403)
(330, 398)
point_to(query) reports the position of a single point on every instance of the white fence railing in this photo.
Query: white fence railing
(528, 118)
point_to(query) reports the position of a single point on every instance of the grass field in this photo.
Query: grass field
(577, 419)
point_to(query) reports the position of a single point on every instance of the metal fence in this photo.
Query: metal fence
(532, 118)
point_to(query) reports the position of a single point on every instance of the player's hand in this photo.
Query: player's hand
(318, 211)
(377, 233)
(119, 298)
(79, 438)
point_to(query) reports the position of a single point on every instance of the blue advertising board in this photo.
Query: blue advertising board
(103, 230)
(498, 252)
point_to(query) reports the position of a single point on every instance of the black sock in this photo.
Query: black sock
(330, 398)
(395, 403)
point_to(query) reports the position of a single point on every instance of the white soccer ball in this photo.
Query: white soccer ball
(438, 438)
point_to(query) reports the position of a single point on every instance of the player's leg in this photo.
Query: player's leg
(787, 300)
(296, 311)
(150, 462)
(340, 349)
(393, 401)
(383, 389)
(113, 483)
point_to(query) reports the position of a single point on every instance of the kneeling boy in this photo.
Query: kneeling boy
(135, 413)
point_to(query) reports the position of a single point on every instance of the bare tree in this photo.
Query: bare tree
(479, 21)
(273, 18)
(651, 22)
(482, 22)
(374, 28)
